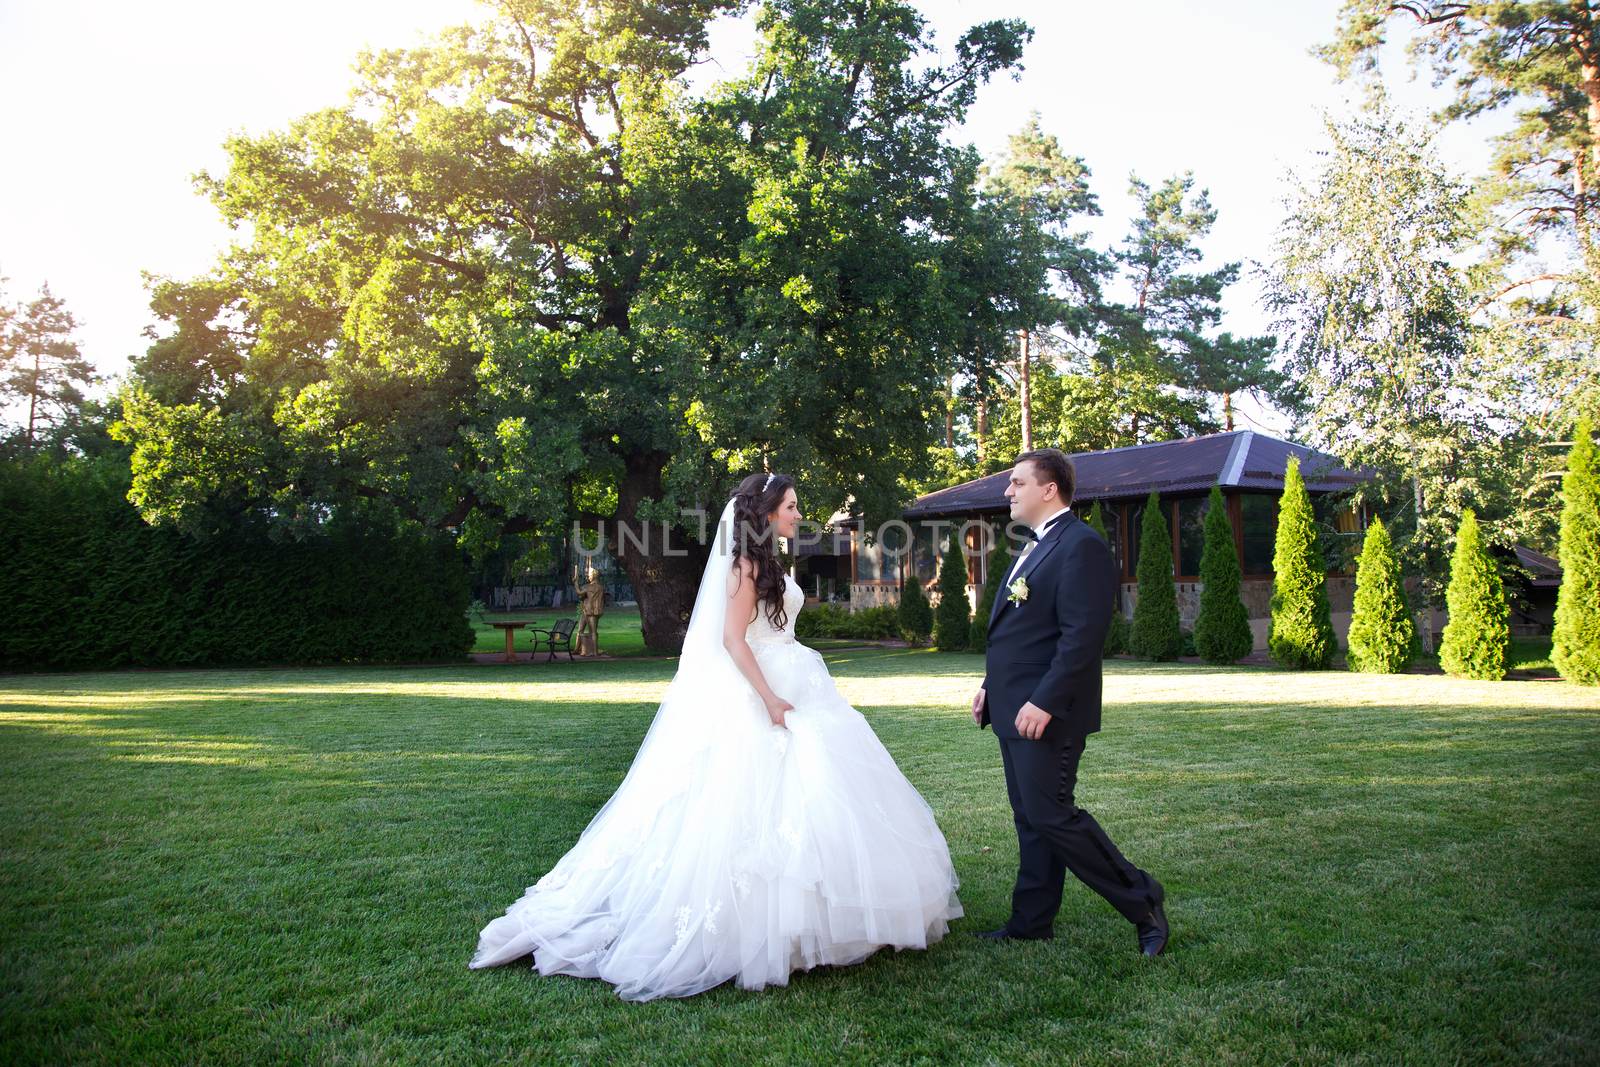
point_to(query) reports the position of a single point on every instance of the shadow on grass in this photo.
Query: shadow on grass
(263, 869)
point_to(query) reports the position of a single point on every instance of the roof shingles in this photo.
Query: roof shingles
(1242, 458)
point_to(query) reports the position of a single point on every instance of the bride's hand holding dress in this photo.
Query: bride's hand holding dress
(742, 606)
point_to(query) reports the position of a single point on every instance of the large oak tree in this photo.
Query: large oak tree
(524, 277)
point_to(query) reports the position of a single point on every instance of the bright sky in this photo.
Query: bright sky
(114, 106)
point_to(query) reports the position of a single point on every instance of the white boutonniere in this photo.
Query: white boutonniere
(1019, 590)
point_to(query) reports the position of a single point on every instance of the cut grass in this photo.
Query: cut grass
(293, 865)
(620, 636)
(619, 629)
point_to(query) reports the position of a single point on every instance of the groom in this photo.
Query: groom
(1041, 693)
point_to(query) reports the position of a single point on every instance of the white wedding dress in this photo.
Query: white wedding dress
(738, 849)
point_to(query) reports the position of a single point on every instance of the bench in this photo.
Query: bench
(556, 639)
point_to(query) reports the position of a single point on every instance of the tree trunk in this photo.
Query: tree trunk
(1027, 398)
(982, 417)
(1585, 176)
(1227, 411)
(33, 399)
(950, 414)
(1425, 621)
(665, 585)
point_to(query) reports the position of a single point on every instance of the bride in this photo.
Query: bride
(762, 827)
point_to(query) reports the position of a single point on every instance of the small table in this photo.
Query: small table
(511, 629)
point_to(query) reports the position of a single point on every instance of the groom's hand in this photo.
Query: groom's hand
(1032, 720)
(977, 708)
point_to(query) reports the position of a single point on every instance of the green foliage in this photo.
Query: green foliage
(952, 620)
(913, 613)
(1128, 400)
(1117, 631)
(1300, 630)
(1530, 56)
(1449, 377)
(1155, 633)
(1477, 638)
(1178, 303)
(999, 561)
(491, 285)
(835, 620)
(1117, 634)
(1222, 628)
(91, 585)
(1157, 364)
(42, 371)
(1383, 633)
(1576, 650)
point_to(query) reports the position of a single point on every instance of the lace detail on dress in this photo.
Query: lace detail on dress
(761, 630)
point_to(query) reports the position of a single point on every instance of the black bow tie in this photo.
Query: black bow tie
(1034, 536)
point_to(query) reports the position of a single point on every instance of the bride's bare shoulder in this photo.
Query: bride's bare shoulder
(744, 568)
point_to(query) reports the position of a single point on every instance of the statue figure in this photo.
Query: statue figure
(591, 605)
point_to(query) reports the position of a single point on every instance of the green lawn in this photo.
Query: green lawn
(293, 866)
(619, 629)
(620, 636)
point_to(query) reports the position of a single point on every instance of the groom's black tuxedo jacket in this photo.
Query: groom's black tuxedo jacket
(1047, 649)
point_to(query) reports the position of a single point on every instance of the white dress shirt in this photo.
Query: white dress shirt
(1039, 530)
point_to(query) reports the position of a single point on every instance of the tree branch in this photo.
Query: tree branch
(616, 111)
(553, 116)
(1486, 301)
(1427, 17)
(1540, 320)
(468, 269)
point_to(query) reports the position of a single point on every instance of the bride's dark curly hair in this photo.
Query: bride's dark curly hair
(753, 501)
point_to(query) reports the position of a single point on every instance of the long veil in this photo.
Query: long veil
(706, 685)
(735, 846)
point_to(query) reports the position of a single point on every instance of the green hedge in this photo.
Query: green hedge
(88, 584)
(833, 620)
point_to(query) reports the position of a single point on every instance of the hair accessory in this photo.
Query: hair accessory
(764, 488)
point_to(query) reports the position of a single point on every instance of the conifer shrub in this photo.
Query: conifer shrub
(1576, 651)
(1300, 630)
(1477, 638)
(1383, 633)
(1155, 633)
(1222, 628)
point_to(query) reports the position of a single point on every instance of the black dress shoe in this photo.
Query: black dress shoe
(1004, 934)
(1153, 932)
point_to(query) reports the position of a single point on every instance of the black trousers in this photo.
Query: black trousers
(1054, 836)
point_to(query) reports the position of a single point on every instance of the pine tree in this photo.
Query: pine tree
(914, 614)
(1155, 633)
(1477, 638)
(1383, 633)
(1300, 631)
(951, 620)
(41, 365)
(999, 560)
(1117, 631)
(1222, 629)
(1577, 632)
